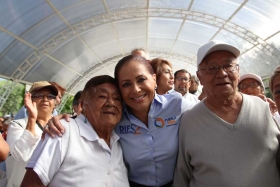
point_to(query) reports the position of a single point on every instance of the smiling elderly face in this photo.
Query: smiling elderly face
(103, 106)
(222, 83)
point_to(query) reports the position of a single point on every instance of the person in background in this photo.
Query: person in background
(164, 75)
(76, 104)
(193, 89)
(141, 52)
(22, 113)
(252, 84)
(24, 134)
(61, 92)
(4, 149)
(182, 84)
(228, 139)
(274, 86)
(89, 153)
(149, 126)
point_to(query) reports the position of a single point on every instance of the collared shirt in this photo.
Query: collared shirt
(150, 153)
(79, 158)
(191, 97)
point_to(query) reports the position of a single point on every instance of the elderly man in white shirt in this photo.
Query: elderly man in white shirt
(89, 153)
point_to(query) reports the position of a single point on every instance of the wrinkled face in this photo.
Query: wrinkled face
(182, 82)
(103, 107)
(250, 87)
(276, 91)
(221, 83)
(45, 101)
(193, 86)
(137, 86)
(166, 79)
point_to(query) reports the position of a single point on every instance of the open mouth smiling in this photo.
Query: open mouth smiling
(139, 98)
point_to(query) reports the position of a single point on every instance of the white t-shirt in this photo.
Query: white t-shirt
(79, 158)
(191, 97)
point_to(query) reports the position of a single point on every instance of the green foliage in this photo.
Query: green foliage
(15, 99)
(68, 106)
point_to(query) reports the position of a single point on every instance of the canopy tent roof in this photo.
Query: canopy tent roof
(70, 41)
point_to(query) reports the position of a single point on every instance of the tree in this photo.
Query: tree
(68, 106)
(15, 99)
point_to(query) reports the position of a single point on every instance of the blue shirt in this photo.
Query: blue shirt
(22, 113)
(150, 153)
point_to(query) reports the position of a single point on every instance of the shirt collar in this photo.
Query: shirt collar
(86, 130)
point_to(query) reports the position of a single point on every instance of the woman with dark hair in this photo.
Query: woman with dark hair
(164, 75)
(89, 153)
(149, 126)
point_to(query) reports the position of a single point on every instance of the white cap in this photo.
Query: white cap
(251, 76)
(215, 45)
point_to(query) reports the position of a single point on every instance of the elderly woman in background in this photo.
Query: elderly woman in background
(89, 153)
(274, 86)
(252, 84)
(24, 134)
(164, 75)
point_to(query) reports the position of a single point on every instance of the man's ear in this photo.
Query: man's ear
(198, 74)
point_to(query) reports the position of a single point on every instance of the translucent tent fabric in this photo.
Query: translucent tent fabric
(70, 41)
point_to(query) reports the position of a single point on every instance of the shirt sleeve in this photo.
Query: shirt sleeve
(21, 141)
(48, 156)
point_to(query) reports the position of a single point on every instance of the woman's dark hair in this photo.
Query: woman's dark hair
(77, 97)
(128, 59)
(96, 81)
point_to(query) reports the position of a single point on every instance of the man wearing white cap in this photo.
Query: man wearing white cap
(229, 139)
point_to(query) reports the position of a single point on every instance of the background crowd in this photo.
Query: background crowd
(228, 132)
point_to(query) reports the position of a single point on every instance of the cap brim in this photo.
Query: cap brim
(53, 88)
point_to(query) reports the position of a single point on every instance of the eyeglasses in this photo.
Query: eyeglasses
(215, 69)
(251, 85)
(42, 96)
(181, 79)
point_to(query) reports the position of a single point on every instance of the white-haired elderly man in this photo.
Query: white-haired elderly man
(229, 139)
